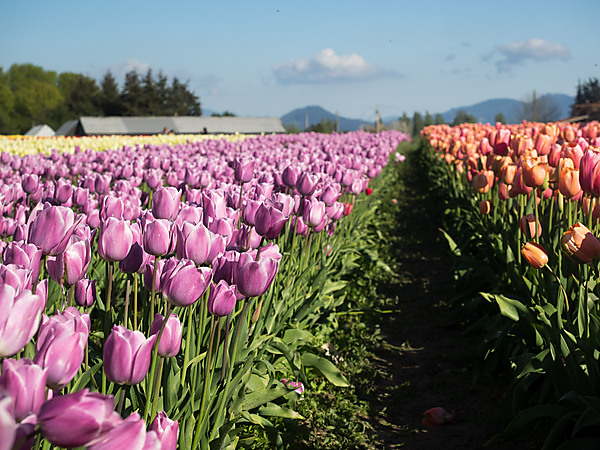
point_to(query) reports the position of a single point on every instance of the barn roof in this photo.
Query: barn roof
(177, 124)
(40, 130)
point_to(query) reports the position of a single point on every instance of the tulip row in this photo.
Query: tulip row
(157, 294)
(525, 198)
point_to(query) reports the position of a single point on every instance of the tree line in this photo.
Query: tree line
(30, 95)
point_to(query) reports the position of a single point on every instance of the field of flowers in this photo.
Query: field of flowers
(522, 219)
(159, 290)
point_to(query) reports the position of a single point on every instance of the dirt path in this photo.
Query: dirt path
(427, 360)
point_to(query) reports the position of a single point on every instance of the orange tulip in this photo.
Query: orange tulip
(534, 254)
(580, 244)
(507, 173)
(534, 173)
(485, 207)
(568, 182)
(529, 228)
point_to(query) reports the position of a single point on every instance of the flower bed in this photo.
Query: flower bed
(160, 291)
(522, 204)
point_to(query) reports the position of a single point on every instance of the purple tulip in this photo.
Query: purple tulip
(30, 183)
(153, 178)
(51, 229)
(127, 355)
(194, 242)
(8, 427)
(130, 434)
(306, 184)
(249, 209)
(71, 265)
(290, 176)
(111, 207)
(253, 278)
(25, 435)
(269, 221)
(222, 298)
(330, 194)
(165, 203)
(183, 283)
(166, 429)
(158, 237)
(73, 420)
(60, 346)
(16, 276)
(224, 266)
(115, 239)
(20, 318)
(25, 383)
(170, 340)
(85, 292)
(243, 169)
(63, 191)
(313, 212)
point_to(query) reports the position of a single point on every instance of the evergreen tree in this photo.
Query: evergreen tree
(438, 119)
(463, 117)
(499, 118)
(418, 123)
(428, 119)
(132, 94)
(150, 104)
(109, 97)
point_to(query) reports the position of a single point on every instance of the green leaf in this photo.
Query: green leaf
(453, 247)
(84, 379)
(326, 368)
(260, 397)
(508, 307)
(530, 416)
(279, 411)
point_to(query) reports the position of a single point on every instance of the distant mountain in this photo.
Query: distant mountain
(314, 115)
(486, 111)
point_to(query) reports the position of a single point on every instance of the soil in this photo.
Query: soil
(428, 359)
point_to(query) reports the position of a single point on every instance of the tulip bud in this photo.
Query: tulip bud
(166, 202)
(580, 244)
(534, 173)
(127, 355)
(166, 429)
(158, 237)
(115, 239)
(534, 254)
(85, 292)
(222, 298)
(243, 169)
(170, 340)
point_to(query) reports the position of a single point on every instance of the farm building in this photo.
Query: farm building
(88, 126)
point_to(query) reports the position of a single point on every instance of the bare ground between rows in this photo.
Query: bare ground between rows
(427, 358)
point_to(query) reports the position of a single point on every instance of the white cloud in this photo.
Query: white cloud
(539, 50)
(326, 66)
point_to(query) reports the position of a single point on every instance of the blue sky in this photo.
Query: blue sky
(266, 58)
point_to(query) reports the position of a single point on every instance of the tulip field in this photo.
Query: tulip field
(522, 220)
(159, 291)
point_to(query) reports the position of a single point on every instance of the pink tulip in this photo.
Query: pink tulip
(85, 292)
(170, 340)
(166, 202)
(71, 265)
(194, 242)
(183, 283)
(51, 229)
(23, 254)
(8, 427)
(114, 239)
(158, 237)
(60, 346)
(243, 169)
(130, 434)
